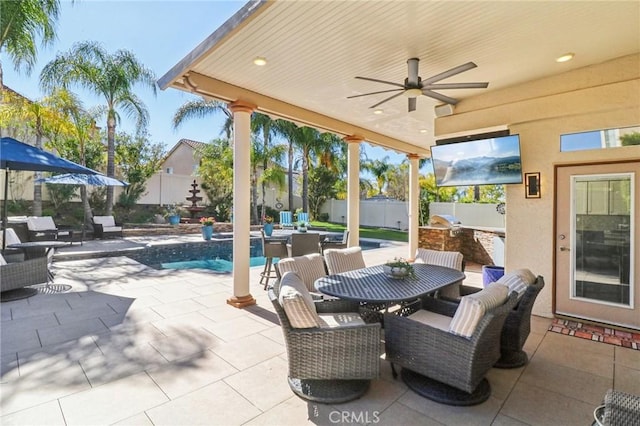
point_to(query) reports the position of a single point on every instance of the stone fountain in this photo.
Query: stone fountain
(194, 209)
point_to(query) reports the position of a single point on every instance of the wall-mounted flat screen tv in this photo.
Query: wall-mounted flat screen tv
(491, 161)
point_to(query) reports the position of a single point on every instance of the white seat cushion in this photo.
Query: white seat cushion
(309, 267)
(343, 260)
(111, 228)
(104, 221)
(473, 307)
(12, 237)
(432, 319)
(2, 261)
(340, 319)
(518, 280)
(40, 223)
(297, 302)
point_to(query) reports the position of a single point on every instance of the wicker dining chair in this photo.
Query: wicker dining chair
(304, 243)
(449, 259)
(440, 365)
(344, 260)
(309, 267)
(329, 364)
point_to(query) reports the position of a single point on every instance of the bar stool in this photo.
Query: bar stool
(271, 249)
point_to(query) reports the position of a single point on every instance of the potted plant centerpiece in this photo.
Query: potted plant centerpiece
(172, 213)
(207, 227)
(302, 226)
(268, 226)
(399, 268)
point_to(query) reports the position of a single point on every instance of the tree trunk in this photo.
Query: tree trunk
(111, 168)
(254, 196)
(88, 214)
(265, 164)
(290, 171)
(305, 182)
(37, 187)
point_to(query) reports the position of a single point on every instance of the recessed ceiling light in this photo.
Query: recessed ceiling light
(423, 130)
(566, 57)
(260, 61)
(378, 111)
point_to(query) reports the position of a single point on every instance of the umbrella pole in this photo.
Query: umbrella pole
(4, 209)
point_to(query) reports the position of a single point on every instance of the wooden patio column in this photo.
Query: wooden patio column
(353, 188)
(414, 204)
(241, 203)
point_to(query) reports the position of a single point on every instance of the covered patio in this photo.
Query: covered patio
(299, 60)
(132, 345)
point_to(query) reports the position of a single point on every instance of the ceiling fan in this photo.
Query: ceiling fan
(415, 86)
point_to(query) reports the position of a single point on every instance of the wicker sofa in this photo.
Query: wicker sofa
(443, 366)
(106, 227)
(329, 364)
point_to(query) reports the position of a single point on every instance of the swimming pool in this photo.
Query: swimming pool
(215, 255)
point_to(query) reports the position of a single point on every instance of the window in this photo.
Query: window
(600, 139)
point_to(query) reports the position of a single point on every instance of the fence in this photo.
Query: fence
(395, 214)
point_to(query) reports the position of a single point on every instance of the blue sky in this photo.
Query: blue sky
(160, 34)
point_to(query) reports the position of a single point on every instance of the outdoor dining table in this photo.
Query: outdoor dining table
(372, 285)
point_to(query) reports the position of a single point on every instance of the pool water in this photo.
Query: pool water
(218, 265)
(212, 255)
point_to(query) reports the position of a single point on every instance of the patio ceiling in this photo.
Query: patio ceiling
(315, 49)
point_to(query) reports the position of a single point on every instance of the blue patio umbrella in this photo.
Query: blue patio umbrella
(16, 155)
(80, 179)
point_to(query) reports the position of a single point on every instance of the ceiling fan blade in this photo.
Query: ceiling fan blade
(456, 86)
(412, 74)
(412, 104)
(388, 99)
(449, 73)
(381, 81)
(440, 97)
(373, 93)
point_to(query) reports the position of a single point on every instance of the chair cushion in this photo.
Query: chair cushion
(340, 319)
(12, 237)
(343, 260)
(450, 259)
(104, 220)
(518, 280)
(432, 319)
(40, 223)
(2, 261)
(309, 267)
(111, 228)
(473, 307)
(297, 302)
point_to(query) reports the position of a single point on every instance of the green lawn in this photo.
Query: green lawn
(377, 233)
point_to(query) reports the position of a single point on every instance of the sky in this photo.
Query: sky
(160, 34)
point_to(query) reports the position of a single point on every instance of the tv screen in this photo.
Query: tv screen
(492, 161)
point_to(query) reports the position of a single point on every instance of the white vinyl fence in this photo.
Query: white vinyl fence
(394, 214)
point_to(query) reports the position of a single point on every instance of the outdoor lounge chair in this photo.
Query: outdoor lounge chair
(303, 217)
(17, 275)
(445, 350)
(43, 228)
(286, 220)
(105, 227)
(332, 354)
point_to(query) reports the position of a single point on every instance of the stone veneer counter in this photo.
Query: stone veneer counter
(477, 244)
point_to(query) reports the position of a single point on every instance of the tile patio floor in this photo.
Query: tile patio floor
(131, 345)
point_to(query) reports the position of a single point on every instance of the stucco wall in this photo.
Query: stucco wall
(596, 97)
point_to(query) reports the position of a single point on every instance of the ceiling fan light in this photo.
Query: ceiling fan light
(260, 61)
(413, 93)
(378, 111)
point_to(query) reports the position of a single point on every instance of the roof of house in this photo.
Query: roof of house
(195, 145)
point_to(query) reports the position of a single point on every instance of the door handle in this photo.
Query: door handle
(563, 248)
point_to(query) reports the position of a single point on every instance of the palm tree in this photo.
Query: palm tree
(379, 170)
(21, 23)
(201, 108)
(41, 120)
(111, 76)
